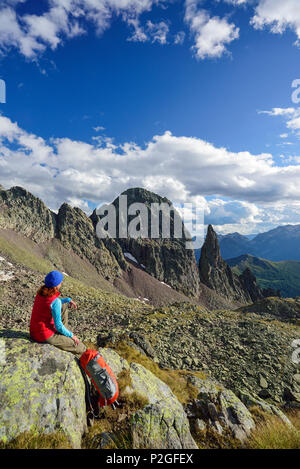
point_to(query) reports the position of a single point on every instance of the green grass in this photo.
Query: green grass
(175, 379)
(272, 433)
(283, 275)
(210, 439)
(25, 257)
(116, 422)
(88, 288)
(31, 440)
(111, 302)
(78, 268)
(53, 256)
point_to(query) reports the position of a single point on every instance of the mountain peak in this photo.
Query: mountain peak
(164, 255)
(141, 195)
(210, 251)
(27, 214)
(216, 274)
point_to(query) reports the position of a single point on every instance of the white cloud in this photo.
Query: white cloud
(278, 15)
(277, 111)
(221, 212)
(292, 159)
(284, 144)
(32, 34)
(237, 2)
(212, 34)
(154, 32)
(294, 124)
(158, 32)
(255, 191)
(292, 117)
(11, 34)
(139, 34)
(179, 37)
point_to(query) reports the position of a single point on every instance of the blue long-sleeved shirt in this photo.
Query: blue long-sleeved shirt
(56, 314)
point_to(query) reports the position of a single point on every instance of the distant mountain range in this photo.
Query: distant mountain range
(279, 244)
(283, 275)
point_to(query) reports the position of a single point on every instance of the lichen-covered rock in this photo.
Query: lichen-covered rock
(142, 344)
(114, 360)
(235, 415)
(146, 383)
(41, 389)
(162, 425)
(220, 408)
(251, 401)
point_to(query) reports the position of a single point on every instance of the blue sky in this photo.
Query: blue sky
(190, 99)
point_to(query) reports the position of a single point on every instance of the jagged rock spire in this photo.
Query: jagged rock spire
(210, 252)
(216, 274)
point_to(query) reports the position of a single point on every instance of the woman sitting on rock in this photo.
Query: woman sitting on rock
(49, 317)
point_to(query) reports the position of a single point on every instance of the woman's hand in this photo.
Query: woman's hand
(72, 304)
(76, 340)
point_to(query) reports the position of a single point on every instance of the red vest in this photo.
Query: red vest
(41, 322)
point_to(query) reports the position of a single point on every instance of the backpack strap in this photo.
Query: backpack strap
(88, 392)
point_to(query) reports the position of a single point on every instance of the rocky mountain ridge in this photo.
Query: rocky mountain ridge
(23, 212)
(26, 214)
(165, 259)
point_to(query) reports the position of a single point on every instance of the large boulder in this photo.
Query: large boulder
(163, 423)
(41, 389)
(114, 360)
(161, 426)
(220, 409)
(251, 401)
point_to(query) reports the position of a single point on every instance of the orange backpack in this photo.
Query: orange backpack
(101, 375)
